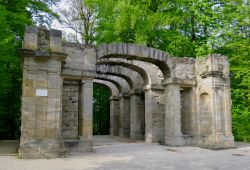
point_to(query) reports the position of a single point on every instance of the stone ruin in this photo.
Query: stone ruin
(155, 97)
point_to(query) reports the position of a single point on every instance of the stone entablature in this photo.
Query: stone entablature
(155, 97)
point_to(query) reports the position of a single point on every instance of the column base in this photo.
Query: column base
(124, 132)
(39, 149)
(137, 135)
(183, 140)
(114, 132)
(75, 146)
(218, 141)
(155, 135)
(175, 140)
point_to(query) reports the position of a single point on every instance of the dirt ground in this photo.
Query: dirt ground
(121, 154)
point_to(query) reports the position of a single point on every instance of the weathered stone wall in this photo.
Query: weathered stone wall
(114, 115)
(124, 117)
(81, 60)
(154, 115)
(186, 114)
(70, 109)
(137, 115)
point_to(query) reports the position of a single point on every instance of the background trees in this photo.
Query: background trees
(14, 15)
(191, 28)
(80, 19)
(101, 115)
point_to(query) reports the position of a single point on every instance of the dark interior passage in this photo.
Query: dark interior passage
(101, 109)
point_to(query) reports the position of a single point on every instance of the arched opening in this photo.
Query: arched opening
(101, 109)
(151, 78)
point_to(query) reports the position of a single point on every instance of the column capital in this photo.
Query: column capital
(136, 91)
(124, 95)
(87, 80)
(42, 54)
(114, 98)
(181, 82)
(153, 87)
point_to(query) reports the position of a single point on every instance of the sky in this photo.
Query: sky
(55, 24)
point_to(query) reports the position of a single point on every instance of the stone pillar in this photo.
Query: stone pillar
(154, 114)
(173, 135)
(214, 102)
(114, 116)
(86, 116)
(227, 111)
(137, 115)
(124, 117)
(41, 93)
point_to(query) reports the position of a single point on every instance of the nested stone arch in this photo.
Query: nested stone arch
(125, 77)
(120, 82)
(113, 88)
(134, 79)
(111, 81)
(150, 73)
(136, 68)
(136, 52)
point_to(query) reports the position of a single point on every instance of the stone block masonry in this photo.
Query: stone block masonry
(156, 97)
(41, 99)
(70, 109)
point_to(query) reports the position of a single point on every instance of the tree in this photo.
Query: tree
(14, 15)
(81, 19)
(187, 28)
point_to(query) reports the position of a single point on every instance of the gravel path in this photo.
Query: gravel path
(116, 153)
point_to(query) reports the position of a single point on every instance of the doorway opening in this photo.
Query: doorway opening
(101, 109)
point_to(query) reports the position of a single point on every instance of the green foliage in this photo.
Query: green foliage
(14, 15)
(101, 110)
(236, 47)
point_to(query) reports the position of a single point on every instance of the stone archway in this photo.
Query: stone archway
(135, 52)
(48, 64)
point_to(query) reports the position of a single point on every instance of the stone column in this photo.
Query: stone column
(137, 115)
(124, 117)
(86, 116)
(114, 116)
(227, 111)
(41, 93)
(154, 114)
(173, 135)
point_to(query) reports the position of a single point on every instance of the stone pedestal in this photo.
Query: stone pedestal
(124, 118)
(154, 114)
(77, 146)
(137, 115)
(114, 116)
